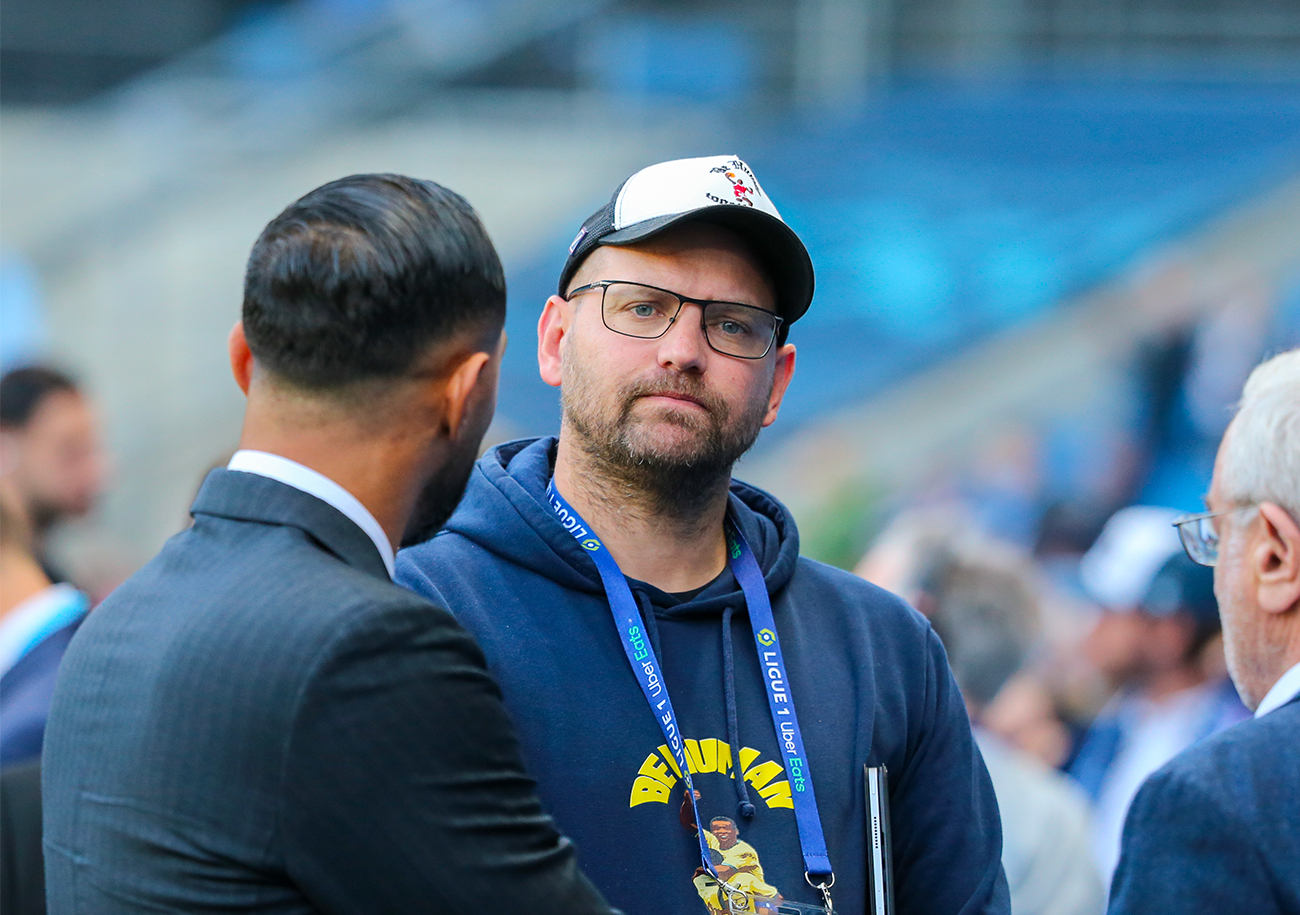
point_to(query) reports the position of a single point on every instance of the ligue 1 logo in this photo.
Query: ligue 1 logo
(591, 544)
(766, 636)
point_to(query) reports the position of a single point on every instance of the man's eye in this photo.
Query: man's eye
(644, 310)
(733, 328)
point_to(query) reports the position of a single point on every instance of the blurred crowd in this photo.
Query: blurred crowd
(1086, 644)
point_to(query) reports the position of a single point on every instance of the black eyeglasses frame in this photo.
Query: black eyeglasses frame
(603, 285)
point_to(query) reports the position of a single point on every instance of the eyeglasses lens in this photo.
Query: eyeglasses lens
(1200, 539)
(730, 328)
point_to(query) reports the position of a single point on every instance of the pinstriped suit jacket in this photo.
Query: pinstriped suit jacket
(260, 720)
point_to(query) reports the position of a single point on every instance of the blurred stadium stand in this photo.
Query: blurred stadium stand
(944, 215)
(988, 188)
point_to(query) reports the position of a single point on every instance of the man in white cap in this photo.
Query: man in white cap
(1218, 828)
(650, 620)
(1155, 639)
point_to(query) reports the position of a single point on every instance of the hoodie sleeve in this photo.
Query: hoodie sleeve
(947, 830)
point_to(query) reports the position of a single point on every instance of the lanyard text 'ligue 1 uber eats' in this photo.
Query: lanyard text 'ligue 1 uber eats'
(817, 865)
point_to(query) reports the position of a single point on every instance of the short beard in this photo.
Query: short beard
(666, 480)
(439, 498)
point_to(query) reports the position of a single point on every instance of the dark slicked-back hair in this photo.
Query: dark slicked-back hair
(23, 390)
(355, 280)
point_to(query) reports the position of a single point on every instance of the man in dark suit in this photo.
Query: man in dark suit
(1218, 828)
(260, 720)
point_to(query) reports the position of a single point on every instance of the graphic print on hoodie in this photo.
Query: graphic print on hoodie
(867, 675)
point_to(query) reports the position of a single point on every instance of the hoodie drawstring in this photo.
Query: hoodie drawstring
(733, 726)
(651, 624)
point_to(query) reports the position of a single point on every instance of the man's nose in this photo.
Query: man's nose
(683, 344)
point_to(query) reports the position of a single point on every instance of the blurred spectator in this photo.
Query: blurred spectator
(1156, 640)
(51, 463)
(982, 599)
(37, 620)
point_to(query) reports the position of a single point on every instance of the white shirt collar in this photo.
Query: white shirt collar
(1284, 690)
(291, 473)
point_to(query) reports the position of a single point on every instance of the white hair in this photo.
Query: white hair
(1261, 455)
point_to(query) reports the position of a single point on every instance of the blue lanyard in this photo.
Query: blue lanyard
(780, 700)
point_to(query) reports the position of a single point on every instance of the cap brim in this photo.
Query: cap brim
(775, 244)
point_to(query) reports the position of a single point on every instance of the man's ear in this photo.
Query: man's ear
(780, 381)
(458, 392)
(241, 357)
(551, 328)
(1275, 559)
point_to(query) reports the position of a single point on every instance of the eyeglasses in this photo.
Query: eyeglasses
(1199, 535)
(637, 310)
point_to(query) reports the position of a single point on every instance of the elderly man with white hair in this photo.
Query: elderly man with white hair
(1218, 828)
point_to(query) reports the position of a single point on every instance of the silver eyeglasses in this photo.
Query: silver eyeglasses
(1199, 535)
(637, 310)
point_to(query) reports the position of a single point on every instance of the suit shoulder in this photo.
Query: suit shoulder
(250, 591)
(1241, 743)
(1234, 770)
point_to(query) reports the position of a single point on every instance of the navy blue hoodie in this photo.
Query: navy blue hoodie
(868, 676)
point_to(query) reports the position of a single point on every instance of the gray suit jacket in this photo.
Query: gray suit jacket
(1217, 830)
(260, 720)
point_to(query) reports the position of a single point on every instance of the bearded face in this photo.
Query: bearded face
(665, 417)
(668, 423)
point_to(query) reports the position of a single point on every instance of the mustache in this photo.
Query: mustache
(676, 386)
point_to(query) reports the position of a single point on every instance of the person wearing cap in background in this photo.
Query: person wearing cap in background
(649, 618)
(1156, 641)
(1217, 829)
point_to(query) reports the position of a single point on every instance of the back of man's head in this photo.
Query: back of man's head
(1261, 454)
(356, 280)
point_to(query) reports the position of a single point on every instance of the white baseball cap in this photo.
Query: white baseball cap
(716, 189)
(1138, 564)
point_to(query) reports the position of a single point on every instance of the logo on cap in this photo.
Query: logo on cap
(573, 246)
(740, 191)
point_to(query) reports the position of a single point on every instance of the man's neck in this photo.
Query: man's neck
(379, 470)
(1280, 650)
(674, 550)
(22, 579)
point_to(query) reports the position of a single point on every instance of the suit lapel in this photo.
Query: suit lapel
(251, 497)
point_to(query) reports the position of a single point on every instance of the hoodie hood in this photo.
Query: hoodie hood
(505, 511)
